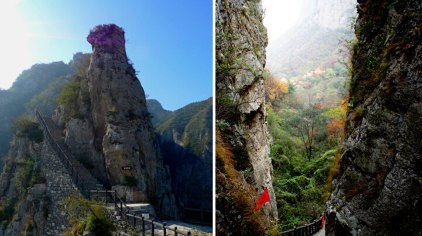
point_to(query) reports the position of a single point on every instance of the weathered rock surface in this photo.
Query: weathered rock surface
(379, 187)
(24, 202)
(113, 134)
(241, 39)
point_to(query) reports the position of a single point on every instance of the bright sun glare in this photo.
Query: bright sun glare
(14, 45)
(17, 55)
(280, 15)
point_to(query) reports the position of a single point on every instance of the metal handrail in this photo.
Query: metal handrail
(117, 200)
(120, 204)
(156, 223)
(77, 180)
(308, 229)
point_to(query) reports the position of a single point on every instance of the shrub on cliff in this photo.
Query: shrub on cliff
(235, 204)
(23, 175)
(7, 210)
(69, 98)
(27, 126)
(87, 215)
(73, 93)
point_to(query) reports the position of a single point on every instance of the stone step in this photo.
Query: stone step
(89, 182)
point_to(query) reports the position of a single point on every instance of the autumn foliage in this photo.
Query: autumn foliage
(236, 198)
(275, 88)
(335, 126)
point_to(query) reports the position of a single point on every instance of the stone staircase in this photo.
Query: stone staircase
(59, 186)
(81, 176)
(67, 177)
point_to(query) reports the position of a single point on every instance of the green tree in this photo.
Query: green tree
(306, 126)
(27, 126)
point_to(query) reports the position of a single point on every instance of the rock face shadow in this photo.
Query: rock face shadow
(191, 179)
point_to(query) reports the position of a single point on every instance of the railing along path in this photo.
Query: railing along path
(78, 173)
(305, 230)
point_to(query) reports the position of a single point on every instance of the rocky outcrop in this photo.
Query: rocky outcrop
(241, 39)
(378, 190)
(24, 197)
(112, 133)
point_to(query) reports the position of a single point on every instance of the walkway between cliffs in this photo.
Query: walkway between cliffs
(128, 218)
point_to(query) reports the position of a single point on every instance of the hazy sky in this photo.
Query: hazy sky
(280, 15)
(169, 42)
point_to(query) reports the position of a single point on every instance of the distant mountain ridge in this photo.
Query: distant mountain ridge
(314, 40)
(190, 127)
(30, 83)
(159, 113)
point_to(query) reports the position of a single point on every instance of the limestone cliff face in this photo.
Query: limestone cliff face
(379, 187)
(113, 129)
(241, 39)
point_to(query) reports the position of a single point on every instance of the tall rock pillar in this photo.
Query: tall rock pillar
(121, 123)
